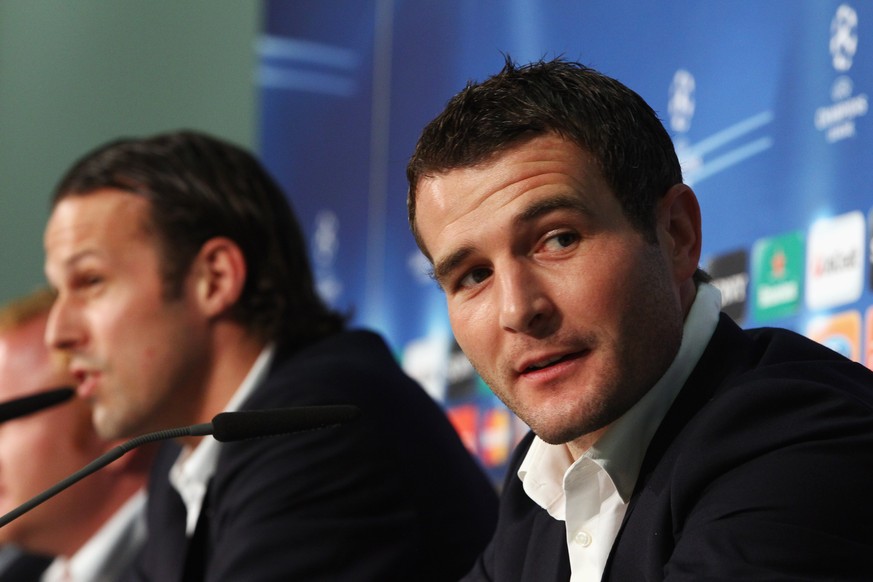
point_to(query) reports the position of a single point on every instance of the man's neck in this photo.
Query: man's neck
(234, 353)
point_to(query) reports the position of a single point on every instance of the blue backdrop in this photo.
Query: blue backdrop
(767, 103)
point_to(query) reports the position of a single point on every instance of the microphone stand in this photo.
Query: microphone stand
(103, 460)
(225, 427)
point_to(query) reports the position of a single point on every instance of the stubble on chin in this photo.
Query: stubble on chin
(104, 424)
(558, 426)
(111, 421)
(555, 425)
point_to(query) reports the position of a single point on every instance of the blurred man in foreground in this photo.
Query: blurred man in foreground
(184, 291)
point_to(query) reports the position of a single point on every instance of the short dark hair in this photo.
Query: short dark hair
(602, 116)
(200, 187)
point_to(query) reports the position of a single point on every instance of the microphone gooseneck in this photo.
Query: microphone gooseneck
(98, 463)
(225, 427)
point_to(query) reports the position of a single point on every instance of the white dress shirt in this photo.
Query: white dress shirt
(106, 556)
(191, 472)
(591, 494)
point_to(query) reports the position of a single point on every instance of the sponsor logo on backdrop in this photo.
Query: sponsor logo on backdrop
(777, 274)
(835, 261)
(870, 246)
(495, 437)
(325, 246)
(490, 433)
(837, 119)
(462, 381)
(730, 274)
(868, 359)
(840, 332)
(868, 341)
(465, 420)
(424, 360)
(444, 371)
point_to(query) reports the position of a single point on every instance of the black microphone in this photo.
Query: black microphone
(18, 407)
(225, 427)
(246, 424)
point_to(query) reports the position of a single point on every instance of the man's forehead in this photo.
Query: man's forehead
(100, 204)
(81, 218)
(529, 182)
(102, 236)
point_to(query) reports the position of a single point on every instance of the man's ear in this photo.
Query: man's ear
(679, 228)
(219, 275)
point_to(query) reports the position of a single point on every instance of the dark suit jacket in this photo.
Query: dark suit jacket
(761, 470)
(25, 567)
(393, 495)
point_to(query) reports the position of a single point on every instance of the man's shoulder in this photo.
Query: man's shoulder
(761, 390)
(324, 369)
(746, 460)
(782, 360)
(359, 348)
(356, 367)
(758, 390)
(763, 359)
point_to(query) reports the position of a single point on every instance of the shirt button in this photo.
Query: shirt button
(582, 538)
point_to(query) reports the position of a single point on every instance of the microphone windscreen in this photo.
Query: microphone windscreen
(33, 403)
(246, 424)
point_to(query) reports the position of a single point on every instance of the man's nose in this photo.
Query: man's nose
(525, 306)
(62, 330)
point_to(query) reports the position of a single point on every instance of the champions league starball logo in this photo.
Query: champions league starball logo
(717, 151)
(844, 37)
(325, 246)
(681, 104)
(837, 120)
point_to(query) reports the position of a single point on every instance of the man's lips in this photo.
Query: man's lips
(86, 383)
(534, 366)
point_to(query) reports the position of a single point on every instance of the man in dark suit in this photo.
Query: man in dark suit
(184, 290)
(666, 442)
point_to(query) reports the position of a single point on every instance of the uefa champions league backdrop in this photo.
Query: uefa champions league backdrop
(767, 102)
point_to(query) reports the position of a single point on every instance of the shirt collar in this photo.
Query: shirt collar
(191, 472)
(620, 450)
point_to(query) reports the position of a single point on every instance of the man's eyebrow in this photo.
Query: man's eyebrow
(71, 263)
(544, 206)
(79, 256)
(444, 267)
